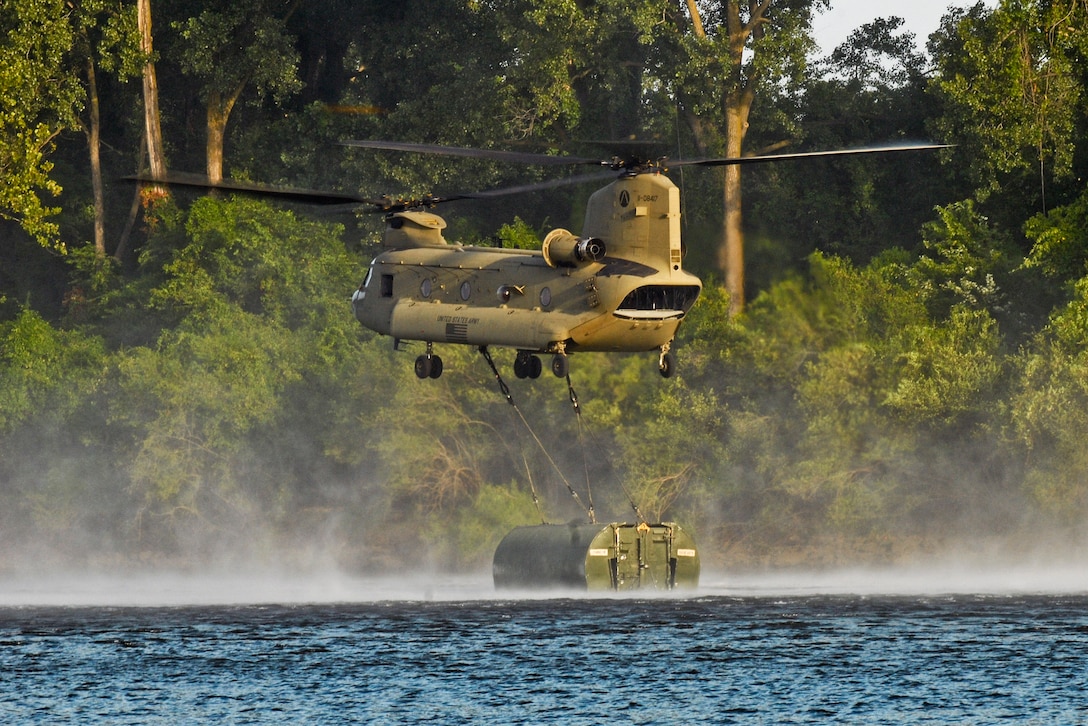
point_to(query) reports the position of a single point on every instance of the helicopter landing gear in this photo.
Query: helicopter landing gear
(527, 365)
(428, 365)
(666, 365)
(560, 365)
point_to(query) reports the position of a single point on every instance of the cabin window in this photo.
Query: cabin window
(546, 297)
(661, 297)
(466, 290)
(425, 288)
(387, 286)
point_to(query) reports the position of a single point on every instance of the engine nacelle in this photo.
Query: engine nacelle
(563, 248)
(404, 230)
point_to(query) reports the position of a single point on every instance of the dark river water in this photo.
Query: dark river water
(715, 656)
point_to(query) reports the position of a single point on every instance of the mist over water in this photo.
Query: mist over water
(159, 589)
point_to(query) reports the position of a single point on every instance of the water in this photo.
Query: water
(455, 653)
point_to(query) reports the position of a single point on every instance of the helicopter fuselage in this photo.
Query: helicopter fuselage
(618, 287)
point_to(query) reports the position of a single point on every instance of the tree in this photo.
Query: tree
(670, 447)
(257, 296)
(56, 487)
(868, 91)
(1011, 82)
(229, 48)
(1048, 410)
(36, 103)
(156, 154)
(107, 39)
(43, 369)
(722, 56)
(1060, 241)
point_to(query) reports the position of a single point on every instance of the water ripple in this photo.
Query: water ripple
(875, 660)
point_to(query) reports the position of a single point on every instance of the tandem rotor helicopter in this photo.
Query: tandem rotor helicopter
(617, 286)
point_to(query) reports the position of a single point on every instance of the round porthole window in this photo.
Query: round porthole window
(546, 297)
(466, 290)
(425, 288)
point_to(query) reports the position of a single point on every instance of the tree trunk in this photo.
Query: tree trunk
(133, 212)
(216, 130)
(731, 250)
(94, 135)
(219, 108)
(152, 125)
(736, 105)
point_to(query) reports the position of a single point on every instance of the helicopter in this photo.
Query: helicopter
(616, 286)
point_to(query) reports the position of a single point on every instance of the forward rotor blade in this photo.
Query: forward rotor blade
(310, 196)
(538, 186)
(492, 154)
(736, 161)
(400, 205)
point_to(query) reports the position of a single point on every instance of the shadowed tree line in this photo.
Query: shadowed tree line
(890, 357)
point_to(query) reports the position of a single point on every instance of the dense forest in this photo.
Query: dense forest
(889, 359)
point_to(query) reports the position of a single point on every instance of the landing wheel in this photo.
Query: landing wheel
(521, 364)
(436, 367)
(667, 365)
(423, 366)
(527, 365)
(560, 365)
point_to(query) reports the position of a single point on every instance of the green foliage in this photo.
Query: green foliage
(863, 59)
(44, 371)
(111, 29)
(465, 537)
(36, 103)
(519, 236)
(212, 395)
(1060, 240)
(237, 44)
(1010, 88)
(947, 370)
(963, 260)
(669, 446)
(869, 91)
(256, 317)
(852, 386)
(706, 68)
(1049, 410)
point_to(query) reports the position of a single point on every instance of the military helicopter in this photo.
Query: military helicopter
(617, 286)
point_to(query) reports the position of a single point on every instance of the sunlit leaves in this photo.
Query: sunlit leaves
(946, 370)
(43, 370)
(672, 444)
(964, 258)
(36, 103)
(1060, 241)
(258, 295)
(1010, 87)
(1050, 410)
(237, 44)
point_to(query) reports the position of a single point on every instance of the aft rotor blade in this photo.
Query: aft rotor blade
(492, 154)
(739, 160)
(310, 196)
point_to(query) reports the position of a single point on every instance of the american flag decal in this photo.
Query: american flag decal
(456, 332)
